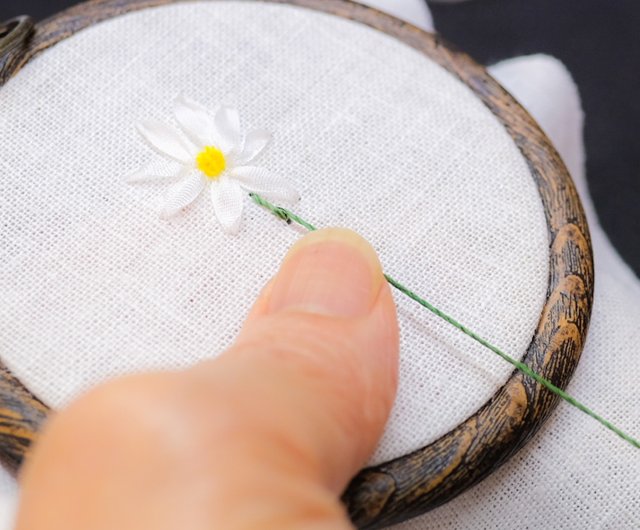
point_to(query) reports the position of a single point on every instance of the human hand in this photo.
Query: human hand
(265, 436)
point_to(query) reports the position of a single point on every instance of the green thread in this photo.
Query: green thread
(281, 213)
(290, 217)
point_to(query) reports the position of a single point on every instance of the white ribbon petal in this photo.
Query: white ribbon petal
(164, 140)
(255, 142)
(227, 122)
(263, 182)
(228, 203)
(183, 194)
(233, 154)
(195, 121)
(156, 171)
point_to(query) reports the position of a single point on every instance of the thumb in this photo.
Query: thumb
(327, 325)
(265, 436)
(318, 363)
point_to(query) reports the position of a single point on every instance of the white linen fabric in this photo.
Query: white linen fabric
(533, 492)
(376, 137)
(414, 11)
(8, 499)
(574, 474)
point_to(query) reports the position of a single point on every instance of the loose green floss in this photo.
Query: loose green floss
(290, 217)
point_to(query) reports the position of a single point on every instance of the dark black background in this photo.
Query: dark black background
(599, 41)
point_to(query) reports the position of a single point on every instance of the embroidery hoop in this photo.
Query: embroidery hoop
(415, 483)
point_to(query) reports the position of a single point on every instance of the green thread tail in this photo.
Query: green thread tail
(290, 217)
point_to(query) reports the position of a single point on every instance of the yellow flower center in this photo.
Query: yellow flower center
(211, 161)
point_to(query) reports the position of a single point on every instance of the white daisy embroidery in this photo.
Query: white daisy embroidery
(212, 153)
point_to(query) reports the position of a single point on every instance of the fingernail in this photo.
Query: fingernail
(332, 272)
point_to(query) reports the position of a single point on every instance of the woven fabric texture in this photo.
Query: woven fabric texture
(574, 474)
(413, 11)
(378, 138)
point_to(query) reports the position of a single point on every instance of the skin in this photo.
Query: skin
(265, 436)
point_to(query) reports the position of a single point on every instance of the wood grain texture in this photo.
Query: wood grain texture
(14, 34)
(21, 415)
(411, 485)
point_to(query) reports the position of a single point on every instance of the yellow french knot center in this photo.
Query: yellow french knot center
(211, 161)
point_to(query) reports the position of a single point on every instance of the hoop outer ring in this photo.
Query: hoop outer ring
(416, 483)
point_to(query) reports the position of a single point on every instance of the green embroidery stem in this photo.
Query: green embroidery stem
(290, 217)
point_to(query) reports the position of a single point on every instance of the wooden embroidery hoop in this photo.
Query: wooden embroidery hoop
(413, 484)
